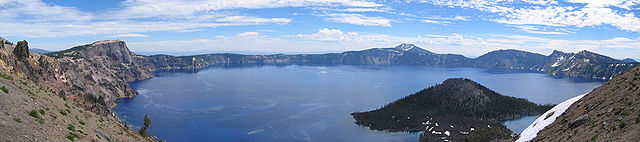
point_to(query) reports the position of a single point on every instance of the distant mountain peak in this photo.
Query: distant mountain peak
(557, 52)
(587, 52)
(458, 81)
(105, 42)
(410, 48)
(629, 60)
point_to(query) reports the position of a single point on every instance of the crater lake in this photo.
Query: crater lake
(308, 103)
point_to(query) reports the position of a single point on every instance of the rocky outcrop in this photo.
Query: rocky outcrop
(608, 113)
(101, 72)
(5, 43)
(21, 51)
(464, 108)
(578, 121)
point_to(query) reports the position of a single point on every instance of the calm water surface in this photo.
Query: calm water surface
(307, 103)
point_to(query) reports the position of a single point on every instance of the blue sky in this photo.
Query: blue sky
(468, 27)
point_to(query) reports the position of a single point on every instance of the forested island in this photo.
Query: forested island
(459, 109)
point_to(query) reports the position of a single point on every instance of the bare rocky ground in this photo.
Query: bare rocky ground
(54, 117)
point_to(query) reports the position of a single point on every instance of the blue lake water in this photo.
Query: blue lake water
(519, 124)
(306, 103)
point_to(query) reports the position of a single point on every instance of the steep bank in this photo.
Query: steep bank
(458, 109)
(546, 119)
(610, 112)
(39, 102)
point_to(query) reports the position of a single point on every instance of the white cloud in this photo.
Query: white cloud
(57, 29)
(38, 11)
(255, 20)
(36, 19)
(625, 4)
(430, 21)
(180, 8)
(538, 30)
(365, 9)
(551, 13)
(326, 39)
(442, 20)
(326, 34)
(475, 45)
(566, 16)
(357, 19)
(130, 35)
(248, 34)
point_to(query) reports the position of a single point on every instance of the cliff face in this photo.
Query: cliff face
(460, 107)
(610, 112)
(43, 70)
(38, 104)
(100, 72)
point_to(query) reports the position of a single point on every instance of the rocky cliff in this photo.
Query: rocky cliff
(39, 102)
(610, 112)
(456, 110)
(100, 72)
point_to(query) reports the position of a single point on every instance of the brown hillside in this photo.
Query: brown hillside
(610, 112)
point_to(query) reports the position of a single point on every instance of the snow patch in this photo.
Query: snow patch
(535, 127)
(557, 63)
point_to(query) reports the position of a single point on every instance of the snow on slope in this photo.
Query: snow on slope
(533, 129)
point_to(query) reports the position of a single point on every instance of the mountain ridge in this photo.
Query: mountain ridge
(584, 64)
(559, 64)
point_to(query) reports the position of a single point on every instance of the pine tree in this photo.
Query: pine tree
(146, 126)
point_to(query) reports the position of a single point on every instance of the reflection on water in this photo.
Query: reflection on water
(305, 103)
